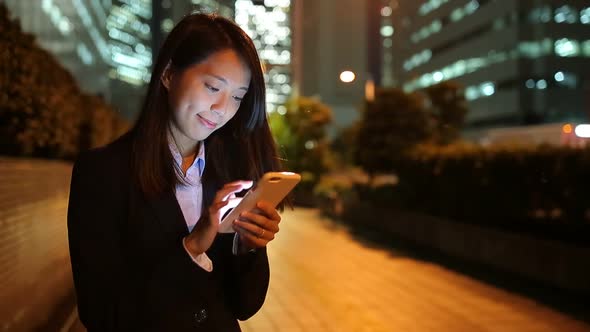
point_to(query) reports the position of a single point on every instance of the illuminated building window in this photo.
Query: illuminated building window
(585, 15)
(269, 27)
(566, 14)
(167, 25)
(387, 31)
(485, 89)
(418, 59)
(526, 49)
(530, 83)
(84, 54)
(566, 79)
(129, 31)
(541, 14)
(437, 25)
(386, 11)
(431, 5)
(471, 7)
(535, 49)
(61, 22)
(457, 14)
(566, 47)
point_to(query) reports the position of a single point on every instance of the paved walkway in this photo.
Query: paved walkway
(323, 280)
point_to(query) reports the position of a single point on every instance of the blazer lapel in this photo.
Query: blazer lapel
(169, 214)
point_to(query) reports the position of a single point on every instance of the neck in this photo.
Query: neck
(186, 147)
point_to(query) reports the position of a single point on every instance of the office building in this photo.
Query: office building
(166, 13)
(520, 61)
(268, 23)
(61, 27)
(105, 44)
(331, 54)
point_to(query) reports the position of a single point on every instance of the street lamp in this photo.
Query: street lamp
(347, 76)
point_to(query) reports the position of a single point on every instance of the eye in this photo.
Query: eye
(238, 99)
(211, 88)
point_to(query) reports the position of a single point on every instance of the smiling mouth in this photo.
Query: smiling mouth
(207, 123)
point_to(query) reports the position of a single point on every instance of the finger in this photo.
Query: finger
(260, 221)
(269, 210)
(231, 188)
(231, 203)
(244, 184)
(256, 230)
(216, 206)
(247, 236)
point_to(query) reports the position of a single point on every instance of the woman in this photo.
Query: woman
(144, 211)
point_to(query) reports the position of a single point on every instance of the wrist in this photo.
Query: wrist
(190, 246)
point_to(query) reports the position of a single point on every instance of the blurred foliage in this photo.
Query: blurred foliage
(497, 184)
(301, 136)
(536, 190)
(417, 138)
(448, 107)
(396, 121)
(43, 113)
(343, 145)
(391, 125)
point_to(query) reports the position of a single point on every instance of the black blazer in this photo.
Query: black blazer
(130, 270)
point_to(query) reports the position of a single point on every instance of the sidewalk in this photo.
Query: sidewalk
(323, 280)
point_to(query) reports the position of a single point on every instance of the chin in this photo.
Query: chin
(202, 135)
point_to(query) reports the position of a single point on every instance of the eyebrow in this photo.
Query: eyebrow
(225, 81)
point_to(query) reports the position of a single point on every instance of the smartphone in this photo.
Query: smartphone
(273, 187)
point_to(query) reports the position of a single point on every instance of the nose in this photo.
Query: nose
(219, 107)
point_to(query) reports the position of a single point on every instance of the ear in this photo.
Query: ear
(166, 76)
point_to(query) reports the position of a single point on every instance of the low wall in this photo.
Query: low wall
(36, 285)
(551, 262)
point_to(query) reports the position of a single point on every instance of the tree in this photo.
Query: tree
(391, 125)
(43, 113)
(448, 107)
(301, 137)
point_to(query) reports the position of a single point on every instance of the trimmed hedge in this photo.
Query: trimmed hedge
(496, 185)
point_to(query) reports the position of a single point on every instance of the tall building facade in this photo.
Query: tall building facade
(380, 41)
(520, 61)
(166, 13)
(109, 45)
(105, 44)
(330, 38)
(60, 28)
(130, 32)
(268, 23)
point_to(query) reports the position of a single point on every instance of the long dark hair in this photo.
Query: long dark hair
(242, 149)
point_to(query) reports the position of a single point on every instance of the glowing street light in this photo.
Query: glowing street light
(347, 76)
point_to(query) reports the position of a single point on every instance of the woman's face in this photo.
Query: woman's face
(205, 96)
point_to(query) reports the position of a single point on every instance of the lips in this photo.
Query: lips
(207, 123)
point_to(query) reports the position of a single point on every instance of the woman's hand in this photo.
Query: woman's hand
(258, 227)
(202, 236)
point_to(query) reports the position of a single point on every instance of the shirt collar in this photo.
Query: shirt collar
(199, 160)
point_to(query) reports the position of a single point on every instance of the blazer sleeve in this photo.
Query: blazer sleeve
(245, 277)
(110, 289)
